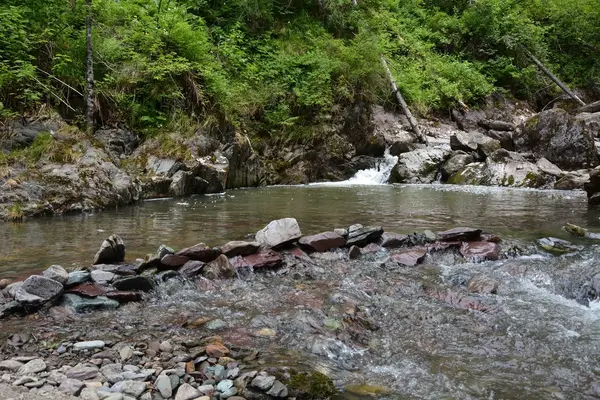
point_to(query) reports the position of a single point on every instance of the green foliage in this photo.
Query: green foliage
(279, 68)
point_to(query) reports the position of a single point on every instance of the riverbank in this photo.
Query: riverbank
(315, 307)
(51, 168)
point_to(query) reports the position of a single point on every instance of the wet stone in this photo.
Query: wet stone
(173, 261)
(354, 252)
(87, 289)
(192, 268)
(462, 234)
(279, 232)
(200, 252)
(129, 283)
(103, 277)
(124, 297)
(111, 251)
(392, 240)
(359, 235)
(78, 304)
(322, 241)
(482, 284)
(278, 390)
(410, 258)
(480, 251)
(37, 289)
(56, 273)
(239, 248)
(262, 259)
(263, 382)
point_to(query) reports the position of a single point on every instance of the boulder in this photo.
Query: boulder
(457, 161)
(400, 142)
(557, 246)
(239, 248)
(279, 232)
(219, 268)
(163, 167)
(462, 234)
(118, 142)
(474, 142)
(200, 252)
(57, 273)
(359, 235)
(503, 168)
(392, 240)
(496, 125)
(263, 259)
(173, 261)
(111, 251)
(138, 282)
(37, 290)
(572, 180)
(410, 258)
(559, 137)
(480, 251)
(245, 169)
(419, 166)
(592, 187)
(322, 241)
(505, 139)
(591, 122)
(77, 277)
(548, 168)
(103, 277)
(78, 304)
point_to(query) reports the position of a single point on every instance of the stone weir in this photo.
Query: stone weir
(196, 368)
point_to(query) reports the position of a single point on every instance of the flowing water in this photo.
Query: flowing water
(414, 332)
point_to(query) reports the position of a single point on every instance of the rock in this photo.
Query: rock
(118, 142)
(163, 167)
(262, 259)
(245, 169)
(77, 277)
(419, 166)
(118, 269)
(462, 234)
(217, 350)
(559, 137)
(12, 288)
(474, 142)
(548, 168)
(82, 372)
(187, 392)
(278, 390)
(575, 230)
(10, 365)
(239, 248)
(457, 161)
(199, 252)
(592, 187)
(32, 367)
(78, 304)
(124, 297)
(224, 385)
(87, 289)
(173, 261)
(112, 372)
(354, 252)
(126, 353)
(573, 180)
(482, 284)
(279, 232)
(502, 168)
(56, 273)
(557, 246)
(480, 251)
(133, 388)
(23, 380)
(392, 240)
(505, 138)
(89, 345)
(103, 277)
(359, 235)
(220, 268)
(192, 268)
(216, 324)
(322, 241)
(4, 283)
(263, 382)
(163, 384)
(111, 251)
(37, 290)
(138, 282)
(496, 125)
(410, 258)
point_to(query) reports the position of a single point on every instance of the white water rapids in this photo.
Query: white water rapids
(379, 175)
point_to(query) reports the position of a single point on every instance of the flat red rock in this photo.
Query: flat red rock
(480, 251)
(410, 258)
(262, 259)
(323, 241)
(87, 289)
(463, 234)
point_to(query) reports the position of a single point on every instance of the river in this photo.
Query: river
(532, 341)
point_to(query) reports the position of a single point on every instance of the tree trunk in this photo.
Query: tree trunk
(413, 122)
(553, 77)
(590, 108)
(89, 69)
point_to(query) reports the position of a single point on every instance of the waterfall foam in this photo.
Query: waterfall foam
(378, 175)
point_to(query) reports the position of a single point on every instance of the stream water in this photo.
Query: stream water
(532, 340)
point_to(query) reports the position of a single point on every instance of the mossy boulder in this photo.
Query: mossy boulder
(311, 386)
(560, 137)
(419, 166)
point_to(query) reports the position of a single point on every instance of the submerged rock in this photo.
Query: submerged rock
(78, 304)
(482, 284)
(279, 232)
(557, 246)
(111, 251)
(220, 268)
(480, 251)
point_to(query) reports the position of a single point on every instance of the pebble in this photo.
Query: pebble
(133, 388)
(22, 380)
(278, 390)
(166, 347)
(71, 386)
(216, 324)
(206, 389)
(126, 353)
(35, 384)
(263, 382)
(90, 345)
(82, 372)
(10, 365)
(224, 385)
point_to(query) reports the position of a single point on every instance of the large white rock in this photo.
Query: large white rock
(279, 232)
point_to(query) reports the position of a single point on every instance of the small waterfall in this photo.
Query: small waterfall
(375, 176)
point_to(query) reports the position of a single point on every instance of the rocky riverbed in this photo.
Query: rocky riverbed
(287, 315)
(52, 168)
